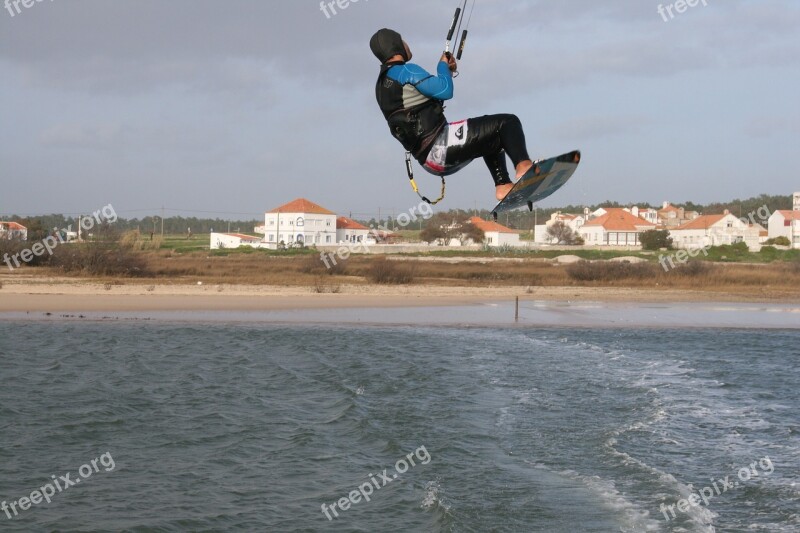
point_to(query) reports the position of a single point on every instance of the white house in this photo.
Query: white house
(302, 222)
(674, 217)
(351, 232)
(786, 224)
(233, 240)
(650, 215)
(716, 230)
(573, 222)
(13, 231)
(496, 234)
(617, 227)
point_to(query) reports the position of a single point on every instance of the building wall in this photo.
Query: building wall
(310, 229)
(495, 239)
(223, 240)
(729, 230)
(780, 226)
(598, 236)
(354, 236)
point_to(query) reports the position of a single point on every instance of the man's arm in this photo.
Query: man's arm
(438, 87)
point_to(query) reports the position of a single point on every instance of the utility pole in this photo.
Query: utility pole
(162, 221)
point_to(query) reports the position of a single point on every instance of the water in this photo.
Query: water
(235, 426)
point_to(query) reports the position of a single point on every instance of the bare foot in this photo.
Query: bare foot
(503, 190)
(524, 167)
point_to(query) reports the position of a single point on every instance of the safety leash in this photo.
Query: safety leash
(410, 170)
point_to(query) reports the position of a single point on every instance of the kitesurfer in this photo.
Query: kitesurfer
(412, 100)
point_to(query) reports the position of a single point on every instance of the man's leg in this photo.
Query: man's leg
(491, 137)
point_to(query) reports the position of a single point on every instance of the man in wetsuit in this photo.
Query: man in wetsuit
(412, 101)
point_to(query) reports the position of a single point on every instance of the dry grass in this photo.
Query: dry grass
(309, 271)
(322, 286)
(134, 240)
(385, 272)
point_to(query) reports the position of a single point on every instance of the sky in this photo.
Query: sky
(232, 108)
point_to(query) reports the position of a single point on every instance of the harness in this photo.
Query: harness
(415, 128)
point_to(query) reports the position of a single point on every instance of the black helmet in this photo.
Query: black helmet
(387, 43)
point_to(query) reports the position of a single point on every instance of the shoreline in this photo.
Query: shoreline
(71, 295)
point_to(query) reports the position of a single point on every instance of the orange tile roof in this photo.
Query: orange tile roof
(791, 215)
(701, 222)
(488, 226)
(301, 205)
(348, 223)
(617, 219)
(668, 209)
(13, 225)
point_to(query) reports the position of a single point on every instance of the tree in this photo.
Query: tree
(655, 239)
(779, 241)
(445, 227)
(431, 234)
(471, 232)
(563, 234)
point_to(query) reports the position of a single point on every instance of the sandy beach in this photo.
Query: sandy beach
(39, 294)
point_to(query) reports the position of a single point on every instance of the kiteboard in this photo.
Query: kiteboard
(542, 180)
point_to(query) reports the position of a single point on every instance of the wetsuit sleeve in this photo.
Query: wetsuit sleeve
(438, 87)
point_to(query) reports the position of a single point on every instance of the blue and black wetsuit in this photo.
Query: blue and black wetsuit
(412, 101)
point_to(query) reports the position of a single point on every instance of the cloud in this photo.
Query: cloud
(592, 128)
(81, 135)
(770, 127)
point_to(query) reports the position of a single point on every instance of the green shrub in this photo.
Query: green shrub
(655, 240)
(779, 241)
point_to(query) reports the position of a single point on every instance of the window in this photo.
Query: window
(272, 222)
(272, 237)
(300, 222)
(328, 239)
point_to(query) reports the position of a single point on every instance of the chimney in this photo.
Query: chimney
(635, 211)
(666, 205)
(726, 212)
(796, 201)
